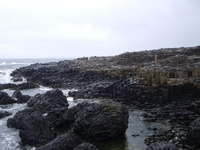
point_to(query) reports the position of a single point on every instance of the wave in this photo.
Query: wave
(12, 63)
(3, 63)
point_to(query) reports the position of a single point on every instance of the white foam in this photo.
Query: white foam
(3, 63)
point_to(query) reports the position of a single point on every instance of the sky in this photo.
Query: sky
(79, 28)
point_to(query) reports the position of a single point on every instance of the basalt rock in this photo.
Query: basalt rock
(194, 132)
(4, 114)
(19, 97)
(162, 146)
(34, 129)
(67, 141)
(5, 99)
(100, 121)
(47, 102)
(22, 86)
(85, 146)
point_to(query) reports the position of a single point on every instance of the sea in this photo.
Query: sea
(134, 138)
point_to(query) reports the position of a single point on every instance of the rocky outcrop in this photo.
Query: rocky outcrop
(22, 86)
(34, 129)
(100, 121)
(5, 99)
(85, 146)
(47, 102)
(67, 141)
(19, 97)
(4, 114)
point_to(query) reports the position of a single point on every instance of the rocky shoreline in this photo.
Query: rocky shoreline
(164, 83)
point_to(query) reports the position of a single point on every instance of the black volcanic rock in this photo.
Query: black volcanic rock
(28, 85)
(67, 141)
(100, 121)
(5, 99)
(34, 129)
(22, 86)
(162, 146)
(4, 114)
(47, 102)
(85, 146)
(194, 130)
(19, 97)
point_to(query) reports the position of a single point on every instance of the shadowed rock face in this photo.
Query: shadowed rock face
(34, 129)
(4, 114)
(194, 132)
(5, 99)
(100, 121)
(67, 141)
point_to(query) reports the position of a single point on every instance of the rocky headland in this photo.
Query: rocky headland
(165, 83)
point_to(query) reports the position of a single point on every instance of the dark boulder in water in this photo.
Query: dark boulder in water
(16, 94)
(85, 146)
(5, 99)
(67, 141)
(19, 97)
(47, 102)
(4, 114)
(100, 121)
(34, 129)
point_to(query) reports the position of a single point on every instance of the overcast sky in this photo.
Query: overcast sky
(77, 28)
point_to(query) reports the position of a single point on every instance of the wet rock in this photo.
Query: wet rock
(100, 121)
(5, 99)
(194, 132)
(162, 146)
(34, 129)
(4, 114)
(67, 141)
(22, 86)
(27, 85)
(48, 101)
(23, 99)
(85, 146)
(16, 94)
(17, 79)
(9, 86)
(19, 97)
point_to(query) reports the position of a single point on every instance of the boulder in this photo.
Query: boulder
(194, 132)
(5, 99)
(34, 129)
(23, 99)
(100, 121)
(4, 114)
(16, 94)
(162, 146)
(48, 101)
(67, 141)
(19, 97)
(85, 146)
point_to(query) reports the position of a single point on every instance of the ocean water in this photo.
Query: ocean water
(10, 140)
